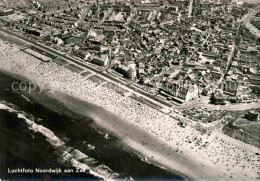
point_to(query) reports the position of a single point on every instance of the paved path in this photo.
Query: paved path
(229, 107)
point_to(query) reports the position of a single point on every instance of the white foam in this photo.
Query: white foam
(75, 155)
(2, 106)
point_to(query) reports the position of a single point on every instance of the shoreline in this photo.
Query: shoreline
(159, 133)
(51, 103)
(99, 116)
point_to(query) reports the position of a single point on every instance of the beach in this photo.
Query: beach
(155, 135)
(37, 131)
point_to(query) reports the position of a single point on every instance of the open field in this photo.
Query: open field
(246, 133)
(242, 129)
(251, 129)
(242, 121)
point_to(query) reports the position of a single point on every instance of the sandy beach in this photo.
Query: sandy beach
(150, 132)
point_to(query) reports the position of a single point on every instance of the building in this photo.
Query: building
(101, 60)
(211, 55)
(253, 115)
(230, 87)
(174, 8)
(131, 74)
(217, 97)
(182, 91)
(255, 80)
(33, 31)
(242, 93)
(123, 69)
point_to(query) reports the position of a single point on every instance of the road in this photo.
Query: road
(229, 107)
(246, 22)
(102, 73)
(190, 8)
(229, 62)
(133, 12)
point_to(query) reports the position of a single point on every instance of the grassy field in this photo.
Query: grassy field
(246, 133)
(242, 121)
(251, 129)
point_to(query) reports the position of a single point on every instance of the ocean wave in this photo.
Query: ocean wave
(68, 154)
